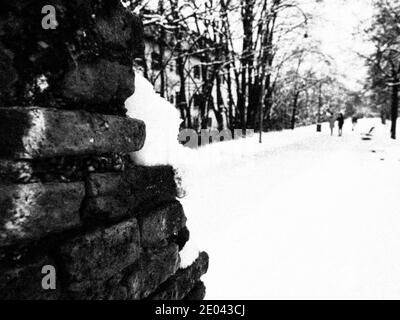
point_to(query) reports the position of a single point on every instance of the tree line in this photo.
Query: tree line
(384, 62)
(275, 74)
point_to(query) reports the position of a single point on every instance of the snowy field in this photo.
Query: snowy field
(302, 216)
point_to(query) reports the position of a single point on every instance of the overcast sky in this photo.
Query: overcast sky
(336, 26)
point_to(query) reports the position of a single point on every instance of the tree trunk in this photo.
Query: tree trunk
(182, 103)
(161, 46)
(225, 40)
(220, 104)
(230, 99)
(395, 108)
(247, 13)
(296, 99)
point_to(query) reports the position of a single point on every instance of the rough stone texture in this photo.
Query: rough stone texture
(181, 238)
(15, 171)
(102, 254)
(96, 290)
(198, 292)
(118, 195)
(154, 268)
(119, 293)
(25, 282)
(111, 208)
(153, 181)
(33, 210)
(59, 169)
(69, 194)
(183, 282)
(106, 184)
(162, 223)
(32, 133)
(86, 62)
(135, 282)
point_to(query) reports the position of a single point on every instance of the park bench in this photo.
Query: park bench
(368, 136)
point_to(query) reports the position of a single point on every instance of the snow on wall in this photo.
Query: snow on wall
(161, 146)
(162, 124)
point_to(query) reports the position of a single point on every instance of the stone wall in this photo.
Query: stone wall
(70, 197)
(111, 229)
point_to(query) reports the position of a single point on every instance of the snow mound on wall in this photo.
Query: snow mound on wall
(161, 147)
(162, 121)
(189, 254)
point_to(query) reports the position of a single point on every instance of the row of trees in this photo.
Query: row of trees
(384, 63)
(260, 51)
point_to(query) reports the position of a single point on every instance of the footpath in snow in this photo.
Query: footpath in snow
(302, 216)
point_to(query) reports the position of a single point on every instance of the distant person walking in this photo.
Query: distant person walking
(340, 120)
(332, 121)
(354, 121)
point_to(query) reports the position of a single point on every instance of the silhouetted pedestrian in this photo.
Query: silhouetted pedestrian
(340, 120)
(354, 121)
(332, 121)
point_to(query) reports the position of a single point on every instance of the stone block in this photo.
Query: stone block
(34, 133)
(128, 193)
(31, 211)
(183, 282)
(15, 171)
(106, 184)
(101, 254)
(109, 208)
(145, 182)
(84, 62)
(60, 169)
(161, 224)
(197, 293)
(154, 268)
(109, 289)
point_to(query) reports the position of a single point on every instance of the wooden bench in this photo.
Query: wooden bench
(368, 136)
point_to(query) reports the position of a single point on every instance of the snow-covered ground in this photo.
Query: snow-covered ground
(303, 215)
